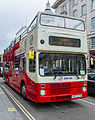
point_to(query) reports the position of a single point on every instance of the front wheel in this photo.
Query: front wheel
(6, 80)
(23, 91)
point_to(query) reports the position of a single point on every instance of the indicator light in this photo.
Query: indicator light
(42, 86)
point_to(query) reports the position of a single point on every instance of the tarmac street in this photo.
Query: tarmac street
(14, 107)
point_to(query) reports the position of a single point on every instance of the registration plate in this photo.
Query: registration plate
(76, 96)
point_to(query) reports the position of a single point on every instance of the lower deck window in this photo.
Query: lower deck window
(16, 65)
(32, 64)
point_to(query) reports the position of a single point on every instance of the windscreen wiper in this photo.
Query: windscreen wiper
(57, 73)
(77, 76)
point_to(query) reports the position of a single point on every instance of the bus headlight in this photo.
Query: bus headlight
(84, 89)
(42, 92)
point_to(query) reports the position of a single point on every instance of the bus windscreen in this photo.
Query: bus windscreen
(51, 64)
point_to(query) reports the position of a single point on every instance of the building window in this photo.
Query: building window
(64, 8)
(93, 4)
(75, 13)
(74, 2)
(93, 23)
(83, 10)
(93, 42)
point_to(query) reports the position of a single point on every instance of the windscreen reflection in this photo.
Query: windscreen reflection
(51, 64)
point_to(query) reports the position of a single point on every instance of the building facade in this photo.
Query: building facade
(84, 9)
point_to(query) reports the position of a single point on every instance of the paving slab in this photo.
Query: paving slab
(7, 110)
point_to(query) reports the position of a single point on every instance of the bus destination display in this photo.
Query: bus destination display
(62, 41)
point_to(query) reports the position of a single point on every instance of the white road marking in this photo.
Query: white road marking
(54, 106)
(1, 92)
(11, 109)
(28, 115)
(87, 102)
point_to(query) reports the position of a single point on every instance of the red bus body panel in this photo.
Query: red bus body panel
(55, 92)
(60, 91)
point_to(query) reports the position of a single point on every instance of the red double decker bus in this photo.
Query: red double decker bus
(47, 62)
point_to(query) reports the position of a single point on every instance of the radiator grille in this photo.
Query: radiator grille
(60, 91)
(61, 98)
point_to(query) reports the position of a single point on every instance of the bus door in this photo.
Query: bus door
(22, 70)
(6, 71)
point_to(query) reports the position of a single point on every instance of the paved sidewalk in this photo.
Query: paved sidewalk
(7, 110)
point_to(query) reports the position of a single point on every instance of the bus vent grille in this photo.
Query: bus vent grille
(60, 85)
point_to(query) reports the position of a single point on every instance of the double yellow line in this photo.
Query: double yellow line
(27, 114)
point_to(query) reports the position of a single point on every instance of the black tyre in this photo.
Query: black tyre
(23, 91)
(6, 80)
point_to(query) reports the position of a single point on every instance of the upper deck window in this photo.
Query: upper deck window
(74, 24)
(63, 22)
(51, 20)
(33, 24)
